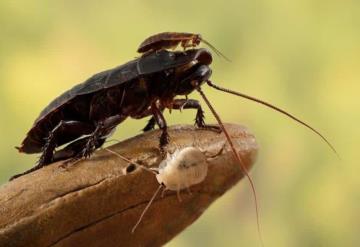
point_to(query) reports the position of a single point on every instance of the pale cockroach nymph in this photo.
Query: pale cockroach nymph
(180, 170)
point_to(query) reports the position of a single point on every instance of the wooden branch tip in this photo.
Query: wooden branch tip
(97, 201)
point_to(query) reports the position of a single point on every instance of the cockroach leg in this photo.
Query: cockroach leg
(161, 122)
(69, 127)
(152, 121)
(92, 141)
(199, 118)
(72, 149)
(95, 139)
(186, 44)
(47, 155)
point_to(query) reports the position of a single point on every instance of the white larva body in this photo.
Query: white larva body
(182, 169)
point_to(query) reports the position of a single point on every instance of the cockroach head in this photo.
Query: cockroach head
(196, 72)
(196, 39)
(201, 55)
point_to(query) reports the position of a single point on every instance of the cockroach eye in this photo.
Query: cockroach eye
(194, 83)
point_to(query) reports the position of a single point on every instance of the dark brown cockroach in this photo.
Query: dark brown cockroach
(87, 114)
(170, 40)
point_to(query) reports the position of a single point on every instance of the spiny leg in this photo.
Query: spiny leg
(75, 148)
(64, 127)
(180, 104)
(161, 122)
(92, 142)
(98, 136)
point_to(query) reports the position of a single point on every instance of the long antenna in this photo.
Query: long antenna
(243, 168)
(215, 50)
(276, 109)
(146, 208)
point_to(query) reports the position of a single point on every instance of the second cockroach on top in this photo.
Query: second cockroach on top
(170, 40)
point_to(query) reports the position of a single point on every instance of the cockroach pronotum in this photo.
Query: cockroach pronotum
(170, 40)
(84, 116)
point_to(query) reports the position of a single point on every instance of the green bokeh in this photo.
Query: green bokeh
(301, 55)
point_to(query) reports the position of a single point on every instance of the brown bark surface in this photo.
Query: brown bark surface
(95, 203)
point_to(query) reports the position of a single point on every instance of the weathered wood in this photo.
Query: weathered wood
(95, 203)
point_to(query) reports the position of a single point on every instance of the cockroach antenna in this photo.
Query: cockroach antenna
(147, 207)
(237, 156)
(220, 54)
(276, 109)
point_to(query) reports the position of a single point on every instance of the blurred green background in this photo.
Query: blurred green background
(301, 55)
